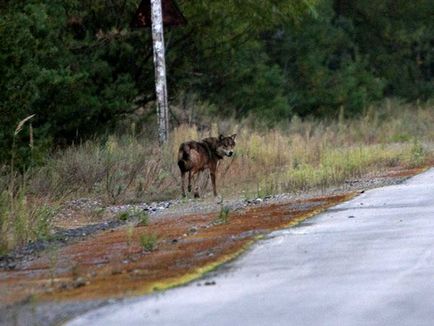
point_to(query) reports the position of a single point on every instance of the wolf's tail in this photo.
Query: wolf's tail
(184, 157)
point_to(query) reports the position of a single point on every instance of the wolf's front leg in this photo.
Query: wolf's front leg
(212, 173)
(183, 183)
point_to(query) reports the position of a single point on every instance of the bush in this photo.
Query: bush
(148, 242)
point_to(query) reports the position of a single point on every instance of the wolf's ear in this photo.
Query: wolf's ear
(234, 136)
(221, 137)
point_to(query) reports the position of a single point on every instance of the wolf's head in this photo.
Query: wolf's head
(225, 145)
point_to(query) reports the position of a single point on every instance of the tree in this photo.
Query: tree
(160, 70)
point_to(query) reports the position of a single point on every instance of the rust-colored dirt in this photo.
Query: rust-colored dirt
(113, 264)
(400, 172)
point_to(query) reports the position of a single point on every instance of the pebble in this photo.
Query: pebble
(150, 208)
(209, 283)
(79, 282)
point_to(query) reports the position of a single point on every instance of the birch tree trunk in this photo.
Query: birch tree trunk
(160, 70)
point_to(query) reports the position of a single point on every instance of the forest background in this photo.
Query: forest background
(80, 67)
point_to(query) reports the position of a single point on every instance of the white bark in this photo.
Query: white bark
(160, 70)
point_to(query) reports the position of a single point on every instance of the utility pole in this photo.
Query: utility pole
(160, 70)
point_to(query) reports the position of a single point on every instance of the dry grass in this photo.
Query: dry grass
(299, 156)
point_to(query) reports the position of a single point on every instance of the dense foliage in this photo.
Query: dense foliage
(81, 68)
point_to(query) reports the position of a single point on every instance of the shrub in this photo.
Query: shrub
(148, 242)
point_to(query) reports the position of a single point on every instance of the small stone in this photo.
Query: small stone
(351, 216)
(207, 283)
(79, 282)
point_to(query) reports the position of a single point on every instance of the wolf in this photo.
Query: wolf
(196, 156)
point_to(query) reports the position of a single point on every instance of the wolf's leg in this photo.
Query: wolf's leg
(196, 184)
(189, 181)
(212, 173)
(183, 183)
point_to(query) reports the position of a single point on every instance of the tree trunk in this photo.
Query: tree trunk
(160, 70)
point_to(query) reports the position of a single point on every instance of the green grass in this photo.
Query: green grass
(148, 242)
(223, 216)
(23, 220)
(136, 214)
(123, 216)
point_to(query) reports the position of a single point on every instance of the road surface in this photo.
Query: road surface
(368, 261)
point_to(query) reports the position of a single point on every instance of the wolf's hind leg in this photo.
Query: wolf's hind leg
(183, 183)
(189, 181)
(196, 179)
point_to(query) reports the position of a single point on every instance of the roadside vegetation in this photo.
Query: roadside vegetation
(298, 156)
(298, 81)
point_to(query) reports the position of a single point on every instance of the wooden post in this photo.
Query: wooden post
(160, 70)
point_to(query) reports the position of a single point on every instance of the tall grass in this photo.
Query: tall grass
(297, 156)
(22, 218)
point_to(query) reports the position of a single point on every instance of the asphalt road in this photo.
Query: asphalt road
(365, 262)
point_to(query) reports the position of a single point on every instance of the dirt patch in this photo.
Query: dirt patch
(114, 263)
(401, 173)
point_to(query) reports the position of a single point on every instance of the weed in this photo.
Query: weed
(130, 234)
(53, 256)
(417, 154)
(23, 220)
(143, 218)
(123, 216)
(137, 214)
(223, 217)
(148, 242)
